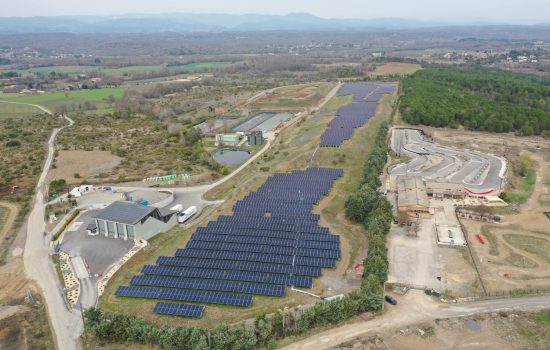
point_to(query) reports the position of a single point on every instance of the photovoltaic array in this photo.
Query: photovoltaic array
(272, 240)
(355, 114)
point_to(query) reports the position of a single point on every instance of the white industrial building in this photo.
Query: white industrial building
(124, 220)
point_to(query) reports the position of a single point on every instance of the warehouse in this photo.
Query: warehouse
(130, 221)
(412, 198)
(444, 190)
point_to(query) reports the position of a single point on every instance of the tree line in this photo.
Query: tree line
(478, 98)
(374, 213)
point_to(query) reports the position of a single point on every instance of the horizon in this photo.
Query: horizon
(467, 11)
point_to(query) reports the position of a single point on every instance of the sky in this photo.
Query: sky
(488, 10)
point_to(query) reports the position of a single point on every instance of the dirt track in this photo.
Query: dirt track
(12, 214)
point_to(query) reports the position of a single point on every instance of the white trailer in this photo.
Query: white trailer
(187, 214)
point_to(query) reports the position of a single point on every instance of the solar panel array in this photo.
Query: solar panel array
(184, 310)
(355, 114)
(272, 240)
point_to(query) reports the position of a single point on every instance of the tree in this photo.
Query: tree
(361, 203)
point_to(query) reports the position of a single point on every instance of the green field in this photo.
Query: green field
(197, 67)
(12, 110)
(182, 68)
(49, 100)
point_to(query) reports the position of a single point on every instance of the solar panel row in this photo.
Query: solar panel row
(269, 249)
(288, 242)
(185, 295)
(216, 274)
(355, 114)
(240, 265)
(183, 310)
(258, 257)
(320, 237)
(204, 284)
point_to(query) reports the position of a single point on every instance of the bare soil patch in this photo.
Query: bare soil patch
(396, 68)
(84, 163)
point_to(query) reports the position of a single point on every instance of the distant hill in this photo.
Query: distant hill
(185, 22)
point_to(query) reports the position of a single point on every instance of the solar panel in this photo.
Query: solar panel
(185, 295)
(355, 114)
(213, 285)
(182, 310)
(272, 240)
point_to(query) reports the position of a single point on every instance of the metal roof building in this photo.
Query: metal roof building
(412, 197)
(130, 221)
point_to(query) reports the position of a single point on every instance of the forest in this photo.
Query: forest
(478, 98)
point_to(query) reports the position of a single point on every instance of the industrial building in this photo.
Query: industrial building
(412, 198)
(445, 190)
(255, 138)
(227, 139)
(124, 220)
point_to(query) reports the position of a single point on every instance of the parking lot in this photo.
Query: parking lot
(96, 254)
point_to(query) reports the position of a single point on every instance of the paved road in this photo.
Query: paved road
(415, 307)
(66, 325)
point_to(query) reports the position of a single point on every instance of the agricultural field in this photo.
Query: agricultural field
(292, 98)
(13, 110)
(395, 68)
(50, 100)
(120, 71)
(293, 150)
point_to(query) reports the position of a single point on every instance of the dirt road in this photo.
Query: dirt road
(12, 208)
(415, 307)
(44, 109)
(66, 324)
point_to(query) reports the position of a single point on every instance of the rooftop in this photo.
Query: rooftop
(125, 213)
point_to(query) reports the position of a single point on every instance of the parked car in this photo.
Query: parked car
(390, 299)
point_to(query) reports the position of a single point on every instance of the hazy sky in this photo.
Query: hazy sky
(494, 10)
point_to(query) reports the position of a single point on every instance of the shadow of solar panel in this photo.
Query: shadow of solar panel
(182, 310)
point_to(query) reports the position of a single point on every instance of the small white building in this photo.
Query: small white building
(83, 189)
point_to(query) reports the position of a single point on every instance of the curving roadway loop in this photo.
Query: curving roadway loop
(478, 172)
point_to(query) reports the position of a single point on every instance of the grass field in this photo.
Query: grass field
(189, 67)
(49, 100)
(294, 97)
(524, 190)
(12, 110)
(292, 150)
(198, 67)
(530, 244)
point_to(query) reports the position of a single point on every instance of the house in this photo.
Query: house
(124, 220)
